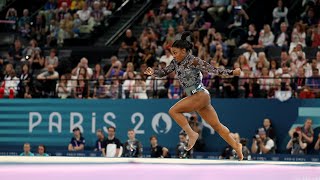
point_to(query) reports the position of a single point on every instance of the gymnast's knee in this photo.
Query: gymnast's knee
(172, 111)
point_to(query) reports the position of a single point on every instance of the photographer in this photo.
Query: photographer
(181, 151)
(238, 15)
(295, 145)
(262, 144)
(317, 145)
(197, 127)
(306, 132)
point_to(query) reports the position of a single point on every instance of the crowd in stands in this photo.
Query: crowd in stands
(273, 59)
(61, 19)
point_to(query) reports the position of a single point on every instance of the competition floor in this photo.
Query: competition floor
(85, 168)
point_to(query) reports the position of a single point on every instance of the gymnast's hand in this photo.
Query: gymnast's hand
(237, 72)
(149, 71)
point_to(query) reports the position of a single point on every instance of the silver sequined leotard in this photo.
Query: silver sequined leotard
(189, 72)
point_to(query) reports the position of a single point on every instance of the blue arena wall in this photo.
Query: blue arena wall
(50, 121)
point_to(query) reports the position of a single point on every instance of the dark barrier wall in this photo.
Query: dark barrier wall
(50, 121)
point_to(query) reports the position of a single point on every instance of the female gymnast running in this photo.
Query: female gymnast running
(188, 69)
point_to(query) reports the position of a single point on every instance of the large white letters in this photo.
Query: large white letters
(34, 124)
(58, 124)
(78, 124)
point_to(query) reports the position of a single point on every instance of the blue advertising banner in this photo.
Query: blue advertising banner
(51, 121)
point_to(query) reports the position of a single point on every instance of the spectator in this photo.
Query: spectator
(10, 84)
(97, 72)
(315, 36)
(36, 61)
(81, 90)
(282, 39)
(298, 36)
(100, 89)
(175, 91)
(129, 39)
(63, 11)
(84, 14)
(97, 13)
(100, 142)
(279, 15)
(252, 57)
(26, 150)
(218, 9)
(52, 31)
(50, 5)
(218, 41)
(310, 18)
(238, 15)
(66, 29)
(132, 147)
(67, 2)
(115, 70)
(229, 152)
(268, 127)
(139, 88)
(28, 51)
(318, 59)
(263, 60)
(76, 5)
(181, 151)
(298, 56)
(265, 82)
(183, 22)
(300, 80)
(252, 37)
(170, 37)
(64, 88)
(170, 22)
(245, 150)
(262, 144)
(167, 57)
(77, 142)
(24, 80)
(83, 64)
(12, 16)
(295, 145)
(314, 80)
(42, 151)
(52, 59)
(243, 62)
(317, 145)
(114, 88)
(48, 81)
(306, 132)
(219, 56)
(158, 151)
(111, 140)
(15, 53)
(266, 37)
(25, 19)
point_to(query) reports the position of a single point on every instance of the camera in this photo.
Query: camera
(295, 137)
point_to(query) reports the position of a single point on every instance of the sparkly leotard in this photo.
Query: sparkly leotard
(189, 72)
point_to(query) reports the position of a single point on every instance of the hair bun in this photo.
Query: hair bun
(185, 34)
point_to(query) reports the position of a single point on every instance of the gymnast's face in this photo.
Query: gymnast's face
(178, 53)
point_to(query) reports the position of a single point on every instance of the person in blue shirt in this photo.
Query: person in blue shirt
(26, 150)
(42, 150)
(77, 141)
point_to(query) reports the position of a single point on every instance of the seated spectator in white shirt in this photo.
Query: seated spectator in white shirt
(64, 87)
(298, 36)
(48, 81)
(266, 37)
(52, 59)
(167, 57)
(282, 39)
(84, 14)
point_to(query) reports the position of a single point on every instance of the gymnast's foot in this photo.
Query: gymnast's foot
(192, 140)
(238, 150)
